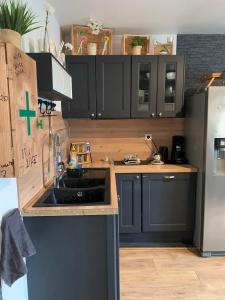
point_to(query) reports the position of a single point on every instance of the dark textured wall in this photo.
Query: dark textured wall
(204, 53)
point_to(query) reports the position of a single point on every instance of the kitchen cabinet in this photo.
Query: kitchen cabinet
(129, 195)
(77, 258)
(144, 86)
(113, 86)
(168, 202)
(54, 82)
(157, 207)
(123, 86)
(82, 71)
(170, 93)
(101, 87)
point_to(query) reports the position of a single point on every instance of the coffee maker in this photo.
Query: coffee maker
(178, 153)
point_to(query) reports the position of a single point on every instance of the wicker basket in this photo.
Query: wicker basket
(98, 39)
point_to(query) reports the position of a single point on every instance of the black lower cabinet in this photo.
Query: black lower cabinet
(168, 202)
(129, 195)
(77, 258)
(166, 211)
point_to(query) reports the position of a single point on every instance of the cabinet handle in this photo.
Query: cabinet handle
(160, 114)
(92, 115)
(137, 177)
(118, 198)
(99, 114)
(169, 177)
(152, 115)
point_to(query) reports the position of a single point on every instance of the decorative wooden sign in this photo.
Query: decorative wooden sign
(26, 151)
(6, 155)
(20, 151)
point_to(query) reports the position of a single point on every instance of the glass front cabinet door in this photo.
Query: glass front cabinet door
(170, 86)
(144, 86)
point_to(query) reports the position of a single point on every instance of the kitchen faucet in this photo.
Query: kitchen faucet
(59, 165)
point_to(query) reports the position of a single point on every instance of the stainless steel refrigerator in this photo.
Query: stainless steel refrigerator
(205, 149)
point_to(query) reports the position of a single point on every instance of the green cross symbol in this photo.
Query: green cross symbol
(27, 113)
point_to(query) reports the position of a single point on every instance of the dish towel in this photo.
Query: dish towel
(16, 244)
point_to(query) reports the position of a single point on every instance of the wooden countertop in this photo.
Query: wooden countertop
(110, 209)
(166, 168)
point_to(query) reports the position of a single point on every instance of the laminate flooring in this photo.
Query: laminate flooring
(170, 274)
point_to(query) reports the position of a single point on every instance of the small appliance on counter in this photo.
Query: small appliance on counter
(178, 153)
(131, 159)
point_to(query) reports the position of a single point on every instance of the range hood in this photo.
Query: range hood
(54, 82)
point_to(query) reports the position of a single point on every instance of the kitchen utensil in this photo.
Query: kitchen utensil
(171, 75)
(131, 159)
(163, 150)
(157, 159)
(169, 91)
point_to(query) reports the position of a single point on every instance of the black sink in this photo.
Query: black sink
(82, 182)
(93, 188)
(68, 196)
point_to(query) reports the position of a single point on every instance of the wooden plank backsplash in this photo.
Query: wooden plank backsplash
(33, 182)
(116, 138)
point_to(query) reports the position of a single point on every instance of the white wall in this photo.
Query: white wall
(9, 201)
(54, 29)
(8, 187)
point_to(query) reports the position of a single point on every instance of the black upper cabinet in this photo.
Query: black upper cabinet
(129, 193)
(168, 202)
(119, 86)
(82, 71)
(53, 80)
(170, 86)
(113, 86)
(144, 86)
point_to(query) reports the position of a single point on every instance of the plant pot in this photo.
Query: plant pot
(91, 48)
(163, 52)
(10, 36)
(136, 50)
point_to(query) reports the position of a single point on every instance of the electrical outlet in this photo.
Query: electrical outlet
(148, 136)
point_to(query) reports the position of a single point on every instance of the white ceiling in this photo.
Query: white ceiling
(146, 16)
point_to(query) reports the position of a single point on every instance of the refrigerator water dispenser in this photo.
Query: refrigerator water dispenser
(219, 150)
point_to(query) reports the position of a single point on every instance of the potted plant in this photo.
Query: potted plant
(95, 27)
(137, 44)
(16, 19)
(164, 51)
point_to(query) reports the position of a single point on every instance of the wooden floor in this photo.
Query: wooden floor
(170, 274)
